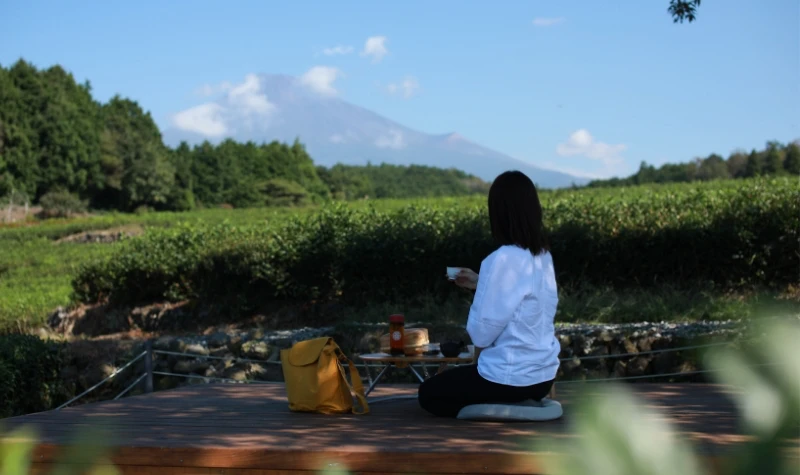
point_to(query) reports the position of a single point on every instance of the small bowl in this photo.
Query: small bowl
(451, 349)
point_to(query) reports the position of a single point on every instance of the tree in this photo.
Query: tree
(280, 192)
(68, 126)
(50, 130)
(754, 166)
(646, 174)
(683, 10)
(740, 164)
(348, 182)
(5, 177)
(133, 145)
(792, 162)
(183, 192)
(20, 104)
(772, 160)
(712, 168)
(737, 162)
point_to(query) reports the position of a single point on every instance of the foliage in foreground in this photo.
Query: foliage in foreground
(717, 235)
(619, 436)
(88, 453)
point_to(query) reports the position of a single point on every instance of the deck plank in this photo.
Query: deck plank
(250, 429)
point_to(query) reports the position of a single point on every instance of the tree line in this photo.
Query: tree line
(58, 144)
(774, 160)
(62, 148)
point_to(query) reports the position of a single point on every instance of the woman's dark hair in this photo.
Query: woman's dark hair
(515, 213)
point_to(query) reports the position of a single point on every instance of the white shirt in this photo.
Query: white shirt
(512, 317)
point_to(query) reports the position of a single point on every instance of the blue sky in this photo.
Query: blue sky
(584, 86)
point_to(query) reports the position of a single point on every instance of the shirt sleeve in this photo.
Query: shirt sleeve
(501, 288)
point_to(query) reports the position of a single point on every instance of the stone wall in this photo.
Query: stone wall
(589, 352)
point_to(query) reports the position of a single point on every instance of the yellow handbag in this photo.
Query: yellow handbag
(315, 379)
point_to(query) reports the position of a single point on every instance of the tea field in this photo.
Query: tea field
(714, 250)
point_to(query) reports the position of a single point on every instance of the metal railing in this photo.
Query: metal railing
(149, 354)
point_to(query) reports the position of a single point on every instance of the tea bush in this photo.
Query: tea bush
(718, 234)
(60, 204)
(29, 374)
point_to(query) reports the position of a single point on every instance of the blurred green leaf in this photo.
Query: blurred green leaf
(616, 435)
(91, 445)
(334, 469)
(782, 348)
(16, 448)
(89, 448)
(759, 401)
(766, 382)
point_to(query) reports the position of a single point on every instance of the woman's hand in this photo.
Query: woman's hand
(467, 278)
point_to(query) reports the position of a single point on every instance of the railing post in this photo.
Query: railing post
(148, 366)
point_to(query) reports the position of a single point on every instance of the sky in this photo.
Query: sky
(587, 87)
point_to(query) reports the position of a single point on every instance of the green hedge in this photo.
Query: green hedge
(29, 374)
(682, 235)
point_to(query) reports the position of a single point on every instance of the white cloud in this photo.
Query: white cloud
(242, 102)
(205, 119)
(394, 139)
(408, 87)
(375, 47)
(581, 143)
(248, 98)
(320, 79)
(337, 50)
(336, 138)
(544, 21)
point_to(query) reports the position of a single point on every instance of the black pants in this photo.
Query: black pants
(447, 393)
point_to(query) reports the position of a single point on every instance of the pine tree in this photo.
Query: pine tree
(772, 161)
(792, 162)
(754, 166)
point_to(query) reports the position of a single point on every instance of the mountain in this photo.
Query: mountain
(280, 107)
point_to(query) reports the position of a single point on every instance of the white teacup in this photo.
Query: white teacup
(452, 272)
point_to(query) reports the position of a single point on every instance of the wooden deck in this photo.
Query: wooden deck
(248, 429)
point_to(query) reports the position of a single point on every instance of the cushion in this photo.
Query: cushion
(527, 411)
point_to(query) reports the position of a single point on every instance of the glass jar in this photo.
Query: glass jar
(397, 325)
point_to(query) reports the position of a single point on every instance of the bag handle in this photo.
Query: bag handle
(358, 386)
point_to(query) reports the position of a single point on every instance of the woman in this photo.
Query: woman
(511, 318)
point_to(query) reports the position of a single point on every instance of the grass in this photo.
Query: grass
(668, 304)
(592, 305)
(35, 277)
